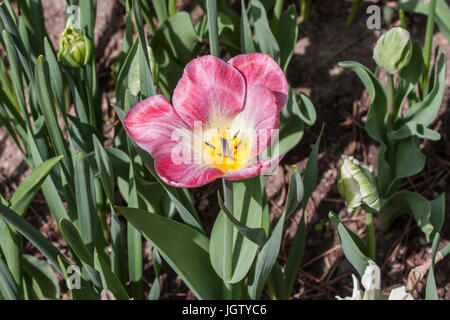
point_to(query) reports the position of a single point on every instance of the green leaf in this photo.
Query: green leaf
(408, 161)
(8, 287)
(295, 256)
(442, 16)
(33, 235)
(426, 110)
(180, 197)
(311, 170)
(412, 129)
(354, 248)
(118, 251)
(437, 214)
(81, 135)
(73, 239)
(287, 33)
(105, 168)
(412, 72)
(85, 201)
(247, 218)
(178, 36)
(49, 189)
(23, 196)
(298, 246)
(376, 124)
(42, 275)
(75, 242)
(46, 101)
(269, 252)
(431, 289)
(85, 291)
(110, 280)
(403, 202)
(184, 248)
(307, 111)
(256, 235)
(154, 293)
(126, 73)
(170, 71)
(247, 44)
(147, 87)
(11, 27)
(213, 29)
(263, 35)
(56, 77)
(160, 10)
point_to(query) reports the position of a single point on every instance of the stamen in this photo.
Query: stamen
(236, 134)
(210, 145)
(237, 146)
(225, 146)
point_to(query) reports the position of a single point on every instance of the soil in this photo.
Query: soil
(341, 103)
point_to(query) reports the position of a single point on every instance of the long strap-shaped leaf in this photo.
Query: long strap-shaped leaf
(22, 197)
(182, 247)
(33, 235)
(269, 253)
(8, 286)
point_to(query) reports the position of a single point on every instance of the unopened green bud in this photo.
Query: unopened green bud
(75, 49)
(357, 184)
(393, 50)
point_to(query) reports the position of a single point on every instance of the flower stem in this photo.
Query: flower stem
(276, 15)
(355, 6)
(391, 119)
(370, 235)
(391, 95)
(211, 8)
(428, 44)
(228, 239)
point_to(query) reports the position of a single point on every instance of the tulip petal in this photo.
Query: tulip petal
(184, 175)
(260, 68)
(260, 167)
(151, 124)
(261, 113)
(209, 87)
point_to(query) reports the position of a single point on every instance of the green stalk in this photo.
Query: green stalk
(276, 15)
(172, 8)
(390, 144)
(370, 235)
(428, 44)
(304, 9)
(211, 8)
(228, 239)
(401, 15)
(391, 96)
(355, 6)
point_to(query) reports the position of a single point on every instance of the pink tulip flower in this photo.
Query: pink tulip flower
(214, 128)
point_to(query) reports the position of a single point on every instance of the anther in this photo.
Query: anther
(225, 146)
(210, 145)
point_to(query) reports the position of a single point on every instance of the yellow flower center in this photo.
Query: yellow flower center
(226, 150)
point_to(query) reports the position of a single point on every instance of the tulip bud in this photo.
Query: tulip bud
(357, 184)
(393, 50)
(75, 49)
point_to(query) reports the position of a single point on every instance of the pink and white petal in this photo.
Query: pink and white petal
(151, 124)
(209, 87)
(262, 115)
(184, 175)
(260, 68)
(259, 168)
